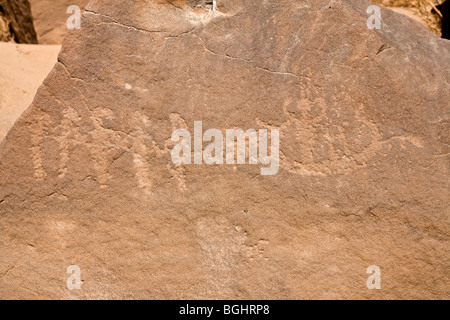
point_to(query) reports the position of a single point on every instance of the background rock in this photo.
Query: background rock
(16, 22)
(420, 10)
(444, 8)
(87, 179)
(50, 18)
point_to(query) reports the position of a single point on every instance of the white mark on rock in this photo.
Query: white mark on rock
(37, 134)
(142, 173)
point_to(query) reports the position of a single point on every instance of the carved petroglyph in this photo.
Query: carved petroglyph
(108, 145)
(328, 139)
(37, 130)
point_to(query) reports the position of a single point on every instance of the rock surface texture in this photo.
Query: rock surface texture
(86, 176)
(16, 22)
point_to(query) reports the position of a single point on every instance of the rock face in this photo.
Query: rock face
(50, 18)
(86, 176)
(16, 22)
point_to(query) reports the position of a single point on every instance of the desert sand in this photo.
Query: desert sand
(24, 67)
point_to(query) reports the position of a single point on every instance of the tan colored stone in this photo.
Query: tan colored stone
(86, 176)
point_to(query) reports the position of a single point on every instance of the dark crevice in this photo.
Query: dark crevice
(12, 32)
(19, 20)
(444, 8)
(382, 48)
(201, 4)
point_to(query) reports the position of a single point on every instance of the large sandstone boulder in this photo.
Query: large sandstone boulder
(87, 179)
(16, 22)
